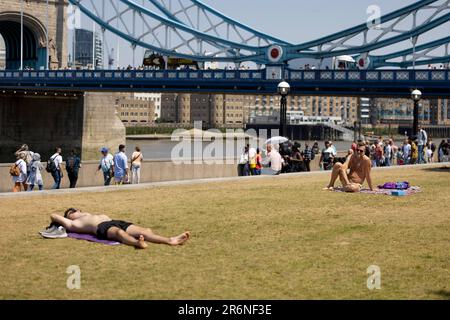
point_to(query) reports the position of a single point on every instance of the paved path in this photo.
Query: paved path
(151, 185)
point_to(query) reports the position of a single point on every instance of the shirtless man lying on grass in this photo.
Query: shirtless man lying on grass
(360, 167)
(107, 229)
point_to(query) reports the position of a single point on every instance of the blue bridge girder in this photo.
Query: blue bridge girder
(204, 34)
(399, 83)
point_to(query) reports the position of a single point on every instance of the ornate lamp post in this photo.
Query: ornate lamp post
(283, 91)
(416, 95)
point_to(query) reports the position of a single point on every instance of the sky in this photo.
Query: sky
(310, 19)
(295, 21)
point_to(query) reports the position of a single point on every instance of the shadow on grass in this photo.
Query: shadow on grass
(438, 169)
(443, 293)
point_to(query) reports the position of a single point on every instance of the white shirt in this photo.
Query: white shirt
(331, 151)
(252, 153)
(244, 158)
(57, 159)
(107, 162)
(22, 177)
(388, 151)
(422, 138)
(407, 150)
(276, 161)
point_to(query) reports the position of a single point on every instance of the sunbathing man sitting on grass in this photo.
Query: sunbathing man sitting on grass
(360, 167)
(107, 229)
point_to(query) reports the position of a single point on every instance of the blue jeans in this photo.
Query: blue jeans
(107, 177)
(243, 170)
(421, 158)
(31, 187)
(57, 177)
(387, 162)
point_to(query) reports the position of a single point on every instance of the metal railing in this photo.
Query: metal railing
(232, 75)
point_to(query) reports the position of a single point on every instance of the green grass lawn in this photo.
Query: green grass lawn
(251, 239)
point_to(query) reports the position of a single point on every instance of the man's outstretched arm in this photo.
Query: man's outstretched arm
(57, 219)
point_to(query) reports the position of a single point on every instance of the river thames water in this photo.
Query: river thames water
(163, 149)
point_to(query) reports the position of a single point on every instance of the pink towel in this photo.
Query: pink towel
(409, 192)
(91, 238)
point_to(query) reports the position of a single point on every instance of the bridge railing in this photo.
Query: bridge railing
(368, 75)
(232, 75)
(111, 75)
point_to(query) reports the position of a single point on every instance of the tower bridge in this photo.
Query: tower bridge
(40, 101)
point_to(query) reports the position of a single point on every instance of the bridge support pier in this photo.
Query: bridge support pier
(85, 122)
(101, 126)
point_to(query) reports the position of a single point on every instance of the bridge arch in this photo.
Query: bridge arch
(34, 40)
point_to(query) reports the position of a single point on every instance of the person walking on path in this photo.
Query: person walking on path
(273, 162)
(379, 154)
(18, 173)
(407, 148)
(35, 176)
(121, 166)
(107, 166)
(432, 147)
(73, 165)
(243, 166)
(388, 153)
(136, 163)
(54, 167)
(422, 140)
(252, 161)
(259, 160)
(327, 157)
(414, 152)
(28, 155)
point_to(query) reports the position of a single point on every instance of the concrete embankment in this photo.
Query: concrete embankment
(151, 171)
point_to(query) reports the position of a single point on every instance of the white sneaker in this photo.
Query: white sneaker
(49, 229)
(57, 233)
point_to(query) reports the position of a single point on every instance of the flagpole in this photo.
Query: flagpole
(21, 34)
(47, 63)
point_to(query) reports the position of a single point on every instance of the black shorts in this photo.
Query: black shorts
(102, 229)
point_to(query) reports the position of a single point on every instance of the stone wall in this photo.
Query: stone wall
(152, 171)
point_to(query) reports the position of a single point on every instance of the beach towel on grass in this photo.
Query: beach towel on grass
(91, 238)
(388, 192)
(395, 185)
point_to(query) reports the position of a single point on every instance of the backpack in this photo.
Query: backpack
(14, 170)
(51, 166)
(70, 163)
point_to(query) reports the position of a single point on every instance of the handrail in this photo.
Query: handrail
(230, 75)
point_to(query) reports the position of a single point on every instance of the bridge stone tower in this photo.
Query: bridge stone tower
(37, 16)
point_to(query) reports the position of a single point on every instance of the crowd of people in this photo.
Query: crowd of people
(386, 153)
(289, 157)
(286, 157)
(26, 172)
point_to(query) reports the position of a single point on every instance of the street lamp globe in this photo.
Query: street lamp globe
(416, 95)
(284, 88)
